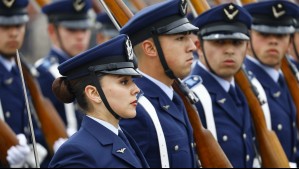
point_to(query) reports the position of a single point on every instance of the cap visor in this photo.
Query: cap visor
(182, 28)
(125, 72)
(274, 30)
(78, 24)
(234, 36)
(14, 20)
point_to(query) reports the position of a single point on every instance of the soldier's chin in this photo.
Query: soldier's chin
(8, 55)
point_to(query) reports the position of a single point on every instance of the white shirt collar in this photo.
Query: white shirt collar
(168, 90)
(273, 73)
(8, 64)
(106, 124)
(223, 83)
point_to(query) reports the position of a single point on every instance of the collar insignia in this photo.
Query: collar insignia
(278, 10)
(130, 52)
(277, 94)
(183, 7)
(231, 12)
(8, 81)
(79, 5)
(121, 150)
(222, 101)
(8, 3)
(166, 107)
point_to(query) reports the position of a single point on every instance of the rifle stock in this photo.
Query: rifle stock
(270, 149)
(292, 84)
(7, 139)
(51, 124)
(209, 151)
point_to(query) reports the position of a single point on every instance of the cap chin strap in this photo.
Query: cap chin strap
(295, 50)
(101, 92)
(60, 40)
(255, 55)
(205, 57)
(167, 70)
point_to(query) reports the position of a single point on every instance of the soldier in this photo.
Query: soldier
(105, 28)
(101, 81)
(222, 44)
(13, 19)
(161, 38)
(69, 31)
(272, 27)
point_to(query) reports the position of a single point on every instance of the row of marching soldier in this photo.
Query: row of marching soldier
(155, 132)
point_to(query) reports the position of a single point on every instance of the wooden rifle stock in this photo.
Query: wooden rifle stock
(7, 139)
(42, 3)
(244, 2)
(270, 149)
(51, 124)
(292, 84)
(209, 151)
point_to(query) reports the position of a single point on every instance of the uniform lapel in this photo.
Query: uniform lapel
(268, 83)
(219, 97)
(154, 92)
(106, 138)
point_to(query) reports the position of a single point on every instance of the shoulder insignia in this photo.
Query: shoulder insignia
(193, 80)
(278, 10)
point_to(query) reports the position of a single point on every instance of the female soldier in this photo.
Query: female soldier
(101, 81)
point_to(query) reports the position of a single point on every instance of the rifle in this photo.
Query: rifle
(51, 123)
(7, 139)
(208, 149)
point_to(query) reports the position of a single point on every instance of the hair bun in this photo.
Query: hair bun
(61, 90)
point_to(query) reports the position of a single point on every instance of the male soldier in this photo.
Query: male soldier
(69, 32)
(105, 28)
(272, 27)
(161, 38)
(222, 44)
(13, 18)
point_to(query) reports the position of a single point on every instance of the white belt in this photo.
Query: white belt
(146, 104)
(206, 101)
(262, 96)
(1, 112)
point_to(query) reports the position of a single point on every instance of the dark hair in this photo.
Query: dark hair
(67, 91)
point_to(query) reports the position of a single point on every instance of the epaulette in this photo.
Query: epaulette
(46, 62)
(192, 80)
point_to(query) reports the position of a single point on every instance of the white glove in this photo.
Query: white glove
(41, 152)
(58, 143)
(16, 155)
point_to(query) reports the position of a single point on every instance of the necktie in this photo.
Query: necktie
(178, 102)
(281, 81)
(234, 95)
(123, 137)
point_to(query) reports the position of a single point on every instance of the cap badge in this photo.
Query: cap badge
(278, 10)
(231, 12)
(8, 3)
(79, 5)
(130, 52)
(183, 7)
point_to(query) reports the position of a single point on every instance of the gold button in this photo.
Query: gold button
(176, 148)
(244, 136)
(279, 127)
(225, 138)
(192, 145)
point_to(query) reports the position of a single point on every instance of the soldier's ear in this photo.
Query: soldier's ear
(149, 48)
(92, 94)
